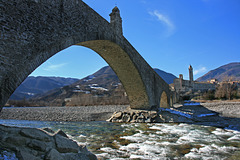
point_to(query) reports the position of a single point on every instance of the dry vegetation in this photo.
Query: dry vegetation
(116, 96)
(224, 91)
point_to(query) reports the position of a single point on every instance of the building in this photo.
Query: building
(190, 87)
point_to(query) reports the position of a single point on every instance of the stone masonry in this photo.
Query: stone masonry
(32, 31)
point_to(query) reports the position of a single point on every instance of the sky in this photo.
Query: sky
(169, 34)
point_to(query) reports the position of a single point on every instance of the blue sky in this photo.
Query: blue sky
(169, 34)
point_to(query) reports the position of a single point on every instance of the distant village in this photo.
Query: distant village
(212, 89)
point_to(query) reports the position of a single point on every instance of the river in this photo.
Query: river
(146, 141)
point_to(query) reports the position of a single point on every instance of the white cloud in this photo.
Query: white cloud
(165, 20)
(199, 71)
(54, 67)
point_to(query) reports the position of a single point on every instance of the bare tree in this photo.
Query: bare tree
(226, 90)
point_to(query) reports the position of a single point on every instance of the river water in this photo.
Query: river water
(147, 141)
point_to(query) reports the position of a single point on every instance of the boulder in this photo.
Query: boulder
(61, 133)
(53, 154)
(65, 145)
(26, 155)
(126, 118)
(48, 130)
(72, 156)
(36, 144)
(35, 134)
(118, 115)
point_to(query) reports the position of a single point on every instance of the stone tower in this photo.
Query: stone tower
(116, 21)
(181, 81)
(190, 73)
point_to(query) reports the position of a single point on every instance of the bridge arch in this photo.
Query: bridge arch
(124, 67)
(46, 27)
(117, 59)
(164, 100)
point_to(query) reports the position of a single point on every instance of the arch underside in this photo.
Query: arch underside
(125, 69)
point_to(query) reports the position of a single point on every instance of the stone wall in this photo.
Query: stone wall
(194, 86)
(204, 86)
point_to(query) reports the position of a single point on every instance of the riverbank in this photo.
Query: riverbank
(229, 114)
(81, 133)
(97, 113)
(225, 109)
(73, 114)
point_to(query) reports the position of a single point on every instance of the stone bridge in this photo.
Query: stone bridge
(32, 31)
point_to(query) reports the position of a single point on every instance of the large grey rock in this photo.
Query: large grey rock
(35, 144)
(35, 134)
(84, 150)
(48, 130)
(9, 130)
(73, 156)
(16, 140)
(23, 154)
(53, 154)
(64, 145)
(61, 133)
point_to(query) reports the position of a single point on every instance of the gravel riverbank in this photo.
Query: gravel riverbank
(84, 113)
(97, 113)
(226, 109)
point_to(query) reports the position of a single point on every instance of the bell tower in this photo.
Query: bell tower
(190, 73)
(116, 21)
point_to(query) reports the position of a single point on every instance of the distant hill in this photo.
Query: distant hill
(102, 87)
(167, 77)
(231, 70)
(32, 86)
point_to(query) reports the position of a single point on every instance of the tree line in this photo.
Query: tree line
(224, 91)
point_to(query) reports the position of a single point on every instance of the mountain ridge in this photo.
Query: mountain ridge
(224, 72)
(39, 85)
(102, 87)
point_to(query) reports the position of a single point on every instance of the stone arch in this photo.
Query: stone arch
(47, 27)
(164, 100)
(125, 69)
(113, 54)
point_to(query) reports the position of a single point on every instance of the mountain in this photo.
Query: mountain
(102, 87)
(32, 86)
(225, 72)
(167, 77)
